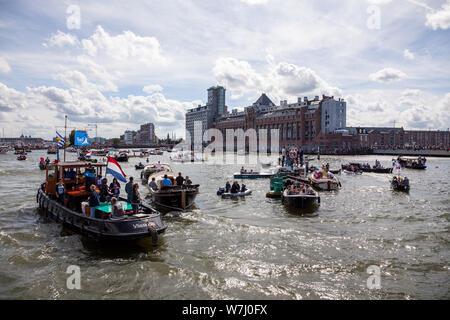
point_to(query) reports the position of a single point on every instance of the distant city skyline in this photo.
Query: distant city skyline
(121, 65)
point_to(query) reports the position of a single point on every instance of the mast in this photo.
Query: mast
(65, 134)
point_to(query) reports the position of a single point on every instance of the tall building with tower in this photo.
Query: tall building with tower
(206, 116)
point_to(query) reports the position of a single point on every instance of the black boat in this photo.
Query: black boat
(300, 200)
(365, 168)
(22, 157)
(74, 213)
(139, 166)
(412, 163)
(173, 197)
(122, 157)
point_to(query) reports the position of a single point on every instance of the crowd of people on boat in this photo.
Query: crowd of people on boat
(300, 188)
(166, 182)
(235, 187)
(291, 157)
(399, 181)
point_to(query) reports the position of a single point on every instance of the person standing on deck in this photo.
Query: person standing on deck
(179, 179)
(60, 192)
(114, 187)
(135, 198)
(94, 201)
(129, 189)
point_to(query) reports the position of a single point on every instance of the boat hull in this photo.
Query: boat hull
(128, 229)
(179, 199)
(252, 176)
(300, 201)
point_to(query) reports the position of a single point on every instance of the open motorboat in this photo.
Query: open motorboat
(365, 167)
(186, 156)
(153, 168)
(253, 175)
(74, 213)
(412, 163)
(121, 157)
(21, 157)
(399, 184)
(326, 182)
(301, 199)
(172, 197)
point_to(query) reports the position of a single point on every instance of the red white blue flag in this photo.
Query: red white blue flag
(115, 170)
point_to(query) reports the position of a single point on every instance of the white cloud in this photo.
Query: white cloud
(152, 88)
(379, 2)
(11, 99)
(281, 81)
(124, 47)
(252, 2)
(387, 75)
(408, 54)
(61, 39)
(439, 18)
(4, 66)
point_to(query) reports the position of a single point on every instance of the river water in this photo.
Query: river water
(251, 248)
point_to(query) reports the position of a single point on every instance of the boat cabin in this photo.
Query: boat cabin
(77, 178)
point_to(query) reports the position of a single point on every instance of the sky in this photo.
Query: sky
(120, 64)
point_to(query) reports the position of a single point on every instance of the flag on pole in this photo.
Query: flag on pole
(115, 170)
(60, 140)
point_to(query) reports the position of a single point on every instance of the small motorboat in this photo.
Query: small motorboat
(412, 163)
(365, 167)
(153, 168)
(253, 175)
(139, 166)
(356, 172)
(172, 197)
(301, 200)
(239, 194)
(22, 157)
(399, 184)
(121, 157)
(325, 183)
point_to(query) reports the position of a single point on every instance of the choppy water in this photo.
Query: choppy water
(250, 248)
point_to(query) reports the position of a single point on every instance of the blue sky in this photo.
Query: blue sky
(388, 58)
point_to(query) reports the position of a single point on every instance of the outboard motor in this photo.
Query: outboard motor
(221, 191)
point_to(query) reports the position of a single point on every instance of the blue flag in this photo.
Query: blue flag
(81, 139)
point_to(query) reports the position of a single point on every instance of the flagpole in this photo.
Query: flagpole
(65, 134)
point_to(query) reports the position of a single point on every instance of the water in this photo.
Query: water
(251, 248)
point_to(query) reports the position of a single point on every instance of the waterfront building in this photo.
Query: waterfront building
(147, 134)
(205, 116)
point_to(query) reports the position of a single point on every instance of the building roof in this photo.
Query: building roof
(264, 100)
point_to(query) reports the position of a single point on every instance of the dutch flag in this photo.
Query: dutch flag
(115, 170)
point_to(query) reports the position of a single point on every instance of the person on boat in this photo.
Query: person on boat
(129, 189)
(166, 181)
(135, 198)
(116, 208)
(158, 165)
(406, 181)
(235, 187)
(114, 187)
(47, 161)
(153, 184)
(243, 188)
(98, 183)
(140, 164)
(60, 191)
(105, 195)
(188, 181)
(148, 160)
(227, 187)
(94, 200)
(71, 174)
(179, 180)
(242, 170)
